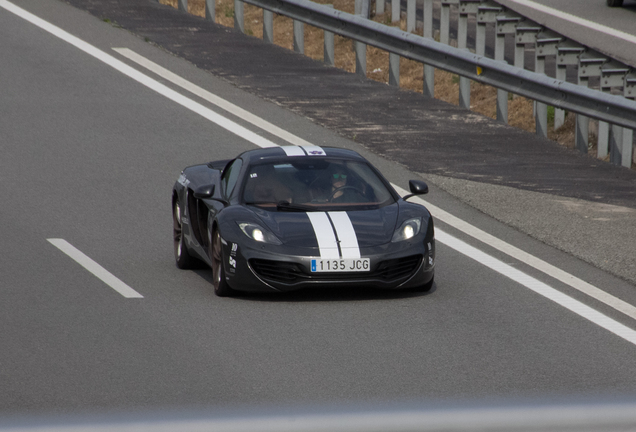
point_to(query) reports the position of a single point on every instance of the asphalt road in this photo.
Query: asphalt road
(89, 155)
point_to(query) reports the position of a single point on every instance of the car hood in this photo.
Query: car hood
(371, 227)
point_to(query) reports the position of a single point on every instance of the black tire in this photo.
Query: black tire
(221, 287)
(181, 254)
(615, 3)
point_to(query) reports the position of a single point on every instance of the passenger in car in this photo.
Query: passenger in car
(263, 186)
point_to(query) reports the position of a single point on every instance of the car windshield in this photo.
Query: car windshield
(318, 185)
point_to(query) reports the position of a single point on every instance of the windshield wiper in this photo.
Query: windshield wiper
(258, 203)
(287, 206)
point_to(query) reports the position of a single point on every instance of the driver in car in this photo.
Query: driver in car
(338, 182)
(337, 190)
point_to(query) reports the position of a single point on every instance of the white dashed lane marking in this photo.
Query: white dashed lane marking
(96, 269)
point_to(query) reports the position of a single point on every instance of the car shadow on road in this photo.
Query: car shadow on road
(321, 294)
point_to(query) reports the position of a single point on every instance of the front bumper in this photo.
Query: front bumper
(250, 266)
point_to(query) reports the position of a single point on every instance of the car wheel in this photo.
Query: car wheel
(181, 254)
(615, 3)
(221, 287)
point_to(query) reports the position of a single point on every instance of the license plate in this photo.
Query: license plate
(340, 265)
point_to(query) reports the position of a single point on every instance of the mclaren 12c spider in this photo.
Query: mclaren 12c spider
(289, 218)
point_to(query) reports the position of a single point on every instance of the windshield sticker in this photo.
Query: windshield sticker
(314, 151)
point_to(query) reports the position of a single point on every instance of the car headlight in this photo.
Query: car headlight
(258, 233)
(409, 229)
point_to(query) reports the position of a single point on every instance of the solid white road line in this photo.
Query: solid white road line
(446, 217)
(519, 277)
(139, 77)
(97, 270)
(577, 20)
(537, 286)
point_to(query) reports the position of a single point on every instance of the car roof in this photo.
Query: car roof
(299, 152)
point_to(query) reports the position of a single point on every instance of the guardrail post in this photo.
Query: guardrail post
(547, 43)
(629, 91)
(621, 146)
(486, 13)
(394, 69)
(590, 63)
(361, 9)
(615, 144)
(506, 24)
(361, 58)
(299, 37)
(427, 19)
(526, 33)
(183, 5)
(613, 74)
(464, 91)
(239, 21)
(210, 10)
(466, 7)
(395, 11)
(428, 89)
(444, 21)
(380, 7)
(328, 47)
(568, 53)
(628, 148)
(410, 16)
(429, 81)
(268, 26)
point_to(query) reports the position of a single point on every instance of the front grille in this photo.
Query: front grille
(289, 272)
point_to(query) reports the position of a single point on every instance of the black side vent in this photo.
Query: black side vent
(398, 268)
(276, 270)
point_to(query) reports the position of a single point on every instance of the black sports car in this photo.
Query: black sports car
(286, 218)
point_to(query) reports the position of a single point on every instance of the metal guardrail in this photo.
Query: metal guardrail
(616, 114)
(607, 107)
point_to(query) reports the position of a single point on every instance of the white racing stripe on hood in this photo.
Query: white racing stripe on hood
(333, 228)
(346, 234)
(324, 234)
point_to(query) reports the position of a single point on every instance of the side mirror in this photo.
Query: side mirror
(204, 192)
(418, 187)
